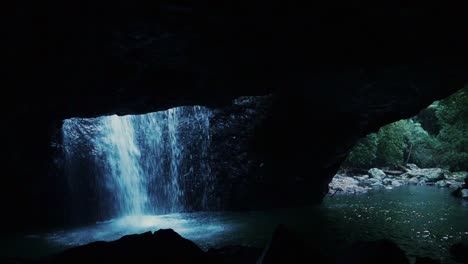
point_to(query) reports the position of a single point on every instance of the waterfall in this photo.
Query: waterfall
(175, 149)
(118, 143)
(139, 164)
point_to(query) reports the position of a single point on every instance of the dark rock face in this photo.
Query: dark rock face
(233, 255)
(239, 181)
(459, 252)
(337, 73)
(380, 251)
(162, 246)
(286, 246)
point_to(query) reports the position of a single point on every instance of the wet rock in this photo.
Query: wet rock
(396, 183)
(376, 173)
(459, 252)
(377, 185)
(154, 59)
(371, 182)
(412, 166)
(345, 185)
(455, 184)
(387, 181)
(361, 178)
(413, 180)
(381, 251)
(442, 183)
(429, 175)
(448, 183)
(464, 193)
(162, 246)
(457, 176)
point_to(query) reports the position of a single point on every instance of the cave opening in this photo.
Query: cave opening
(291, 90)
(131, 174)
(407, 179)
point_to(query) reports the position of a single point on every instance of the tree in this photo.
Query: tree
(392, 143)
(407, 140)
(452, 114)
(363, 153)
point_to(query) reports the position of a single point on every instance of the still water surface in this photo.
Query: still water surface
(424, 221)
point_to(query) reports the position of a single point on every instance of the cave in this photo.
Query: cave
(225, 114)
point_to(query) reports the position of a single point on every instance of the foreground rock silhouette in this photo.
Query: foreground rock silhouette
(380, 251)
(285, 246)
(162, 246)
(459, 252)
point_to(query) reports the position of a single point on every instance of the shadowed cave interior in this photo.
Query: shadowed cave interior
(236, 136)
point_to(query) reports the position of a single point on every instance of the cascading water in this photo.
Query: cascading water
(175, 149)
(140, 164)
(124, 173)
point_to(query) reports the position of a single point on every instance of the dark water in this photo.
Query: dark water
(424, 221)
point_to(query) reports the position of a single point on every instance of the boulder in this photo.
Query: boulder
(372, 181)
(430, 175)
(162, 246)
(413, 180)
(457, 176)
(412, 166)
(454, 184)
(461, 193)
(361, 178)
(464, 193)
(448, 183)
(442, 183)
(345, 185)
(396, 183)
(376, 173)
(387, 181)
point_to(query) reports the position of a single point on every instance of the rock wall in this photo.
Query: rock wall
(337, 71)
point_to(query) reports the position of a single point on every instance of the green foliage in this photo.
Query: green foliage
(452, 114)
(392, 143)
(379, 149)
(363, 153)
(422, 147)
(407, 140)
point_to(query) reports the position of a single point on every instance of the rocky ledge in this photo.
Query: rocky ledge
(350, 182)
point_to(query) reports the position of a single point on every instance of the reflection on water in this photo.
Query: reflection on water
(204, 228)
(424, 221)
